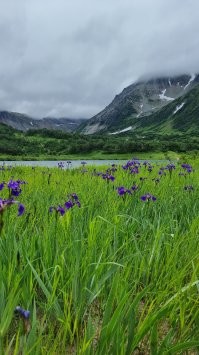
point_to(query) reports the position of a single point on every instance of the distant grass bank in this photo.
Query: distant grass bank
(94, 156)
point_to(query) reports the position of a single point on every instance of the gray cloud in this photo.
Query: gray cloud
(69, 59)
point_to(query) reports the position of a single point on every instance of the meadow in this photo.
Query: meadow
(100, 260)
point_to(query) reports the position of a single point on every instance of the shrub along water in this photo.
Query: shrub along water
(99, 261)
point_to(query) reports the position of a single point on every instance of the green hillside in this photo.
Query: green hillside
(52, 145)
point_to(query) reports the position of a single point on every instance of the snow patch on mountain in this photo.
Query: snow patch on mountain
(190, 80)
(178, 108)
(122, 130)
(162, 96)
(141, 110)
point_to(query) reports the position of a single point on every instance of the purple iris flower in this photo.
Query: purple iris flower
(6, 203)
(161, 171)
(68, 204)
(13, 184)
(61, 165)
(15, 192)
(25, 314)
(78, 203)
(61, 210)
(73, 200)
(134, 187)
(108, 177)
(170, 167)
(187, 167)
(58, 209)
(134, 163)
(148, 197)
(21, 209)
(14, 187)
(74, 196)
(123, 191)
(1, 186)
(3, 204)
(21, 182)
(111, 177)
(125, 167)
(134, 170)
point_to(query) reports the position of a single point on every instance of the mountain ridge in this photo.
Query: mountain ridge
(23, 122)
(140, 99)
(140, 106)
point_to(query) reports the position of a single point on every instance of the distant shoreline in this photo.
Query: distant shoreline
(93, 156)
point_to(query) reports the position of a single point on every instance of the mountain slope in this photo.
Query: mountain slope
(24, 122)
(181, 115)
(139, 100)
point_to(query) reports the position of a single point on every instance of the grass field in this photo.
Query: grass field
(105, 264)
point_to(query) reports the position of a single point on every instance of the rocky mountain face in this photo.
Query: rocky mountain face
(24, 123)
(139, 100)
(180, 115)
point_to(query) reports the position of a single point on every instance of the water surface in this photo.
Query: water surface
(54, 163)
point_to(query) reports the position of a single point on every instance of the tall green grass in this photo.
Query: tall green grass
(115, 276)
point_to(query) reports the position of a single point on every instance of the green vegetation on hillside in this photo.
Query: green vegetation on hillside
(41, 144)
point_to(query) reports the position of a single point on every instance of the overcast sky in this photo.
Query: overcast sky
(69, 58)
